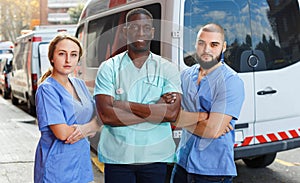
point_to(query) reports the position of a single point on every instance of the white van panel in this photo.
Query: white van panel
(277, 130)
(247, 113)
(283, 104)
(43, 57)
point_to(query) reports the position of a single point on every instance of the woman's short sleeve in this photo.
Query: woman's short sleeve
(48, 106)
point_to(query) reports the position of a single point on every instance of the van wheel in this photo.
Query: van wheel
(260, 161)
(30, 108)
(14, 100)
(6, 95)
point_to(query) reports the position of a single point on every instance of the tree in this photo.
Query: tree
(16, 16)
(75, 13)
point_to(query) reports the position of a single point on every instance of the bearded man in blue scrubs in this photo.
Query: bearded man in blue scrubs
(212, 98)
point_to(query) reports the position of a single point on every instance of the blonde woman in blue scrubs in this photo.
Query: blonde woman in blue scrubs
(62, 102)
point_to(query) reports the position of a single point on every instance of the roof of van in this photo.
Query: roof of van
(50, 29)
(47, 27)
(6, 45)
(93, 7)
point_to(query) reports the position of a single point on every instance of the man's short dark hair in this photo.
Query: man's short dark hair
(138, 11)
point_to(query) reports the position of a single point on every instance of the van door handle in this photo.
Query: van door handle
(266, 92)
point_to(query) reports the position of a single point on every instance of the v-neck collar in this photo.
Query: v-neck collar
(70, 95)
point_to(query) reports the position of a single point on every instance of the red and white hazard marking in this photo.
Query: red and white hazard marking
(271, 137)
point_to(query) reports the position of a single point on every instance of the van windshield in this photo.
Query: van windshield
(6, 51)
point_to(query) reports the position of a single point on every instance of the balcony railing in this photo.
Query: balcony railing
(64, 3)
(58, 17)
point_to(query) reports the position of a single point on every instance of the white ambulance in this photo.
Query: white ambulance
(30, 61)
(263, 40)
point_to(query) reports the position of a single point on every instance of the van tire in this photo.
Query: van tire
(6, 95)
(260, 161)
(30, 108)
(14, 100)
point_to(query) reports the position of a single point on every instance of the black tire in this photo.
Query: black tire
(30, 108)
(260, 161)
(14, 100)
(6, 95)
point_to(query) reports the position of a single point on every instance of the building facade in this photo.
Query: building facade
(56, 11)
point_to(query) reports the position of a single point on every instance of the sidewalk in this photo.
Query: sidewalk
(18, 139)
(19, 136)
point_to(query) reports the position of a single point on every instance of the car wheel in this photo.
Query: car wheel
(14, 100)
(30, 108)
(6, 95)
(260, 161)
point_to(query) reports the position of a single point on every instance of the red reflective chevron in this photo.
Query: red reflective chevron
(271, 137)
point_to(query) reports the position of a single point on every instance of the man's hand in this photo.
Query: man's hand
(168, 98)
(228, 129)
(215, 126)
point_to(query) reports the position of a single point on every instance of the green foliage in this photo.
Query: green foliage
(15, 16)
(75, 13)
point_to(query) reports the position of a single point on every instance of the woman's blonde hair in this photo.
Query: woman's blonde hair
(51, 49)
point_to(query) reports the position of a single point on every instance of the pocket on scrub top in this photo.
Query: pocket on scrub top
(63, 167)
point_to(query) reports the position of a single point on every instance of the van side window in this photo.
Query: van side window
(20, 59)
(276, 31)
(229, 14)
(272, 34)
(105, 36)
(100, 38)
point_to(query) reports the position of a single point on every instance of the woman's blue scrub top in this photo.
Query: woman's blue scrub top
(56, 161)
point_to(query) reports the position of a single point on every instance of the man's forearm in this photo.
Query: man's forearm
(159, 112)
(120, 117)
(215, 126)
(186, 118)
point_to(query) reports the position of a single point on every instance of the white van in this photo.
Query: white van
(30, 61)
(263, 47)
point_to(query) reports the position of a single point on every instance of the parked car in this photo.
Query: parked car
(5, 75)
(6, 55)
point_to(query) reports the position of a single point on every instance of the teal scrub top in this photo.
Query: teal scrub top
(145, 142)
(56, 161)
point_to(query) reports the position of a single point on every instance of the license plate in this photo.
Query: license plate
(177, 134)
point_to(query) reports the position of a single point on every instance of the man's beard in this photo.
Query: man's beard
(208, 64)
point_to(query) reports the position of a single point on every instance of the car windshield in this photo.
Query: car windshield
(5, 51)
